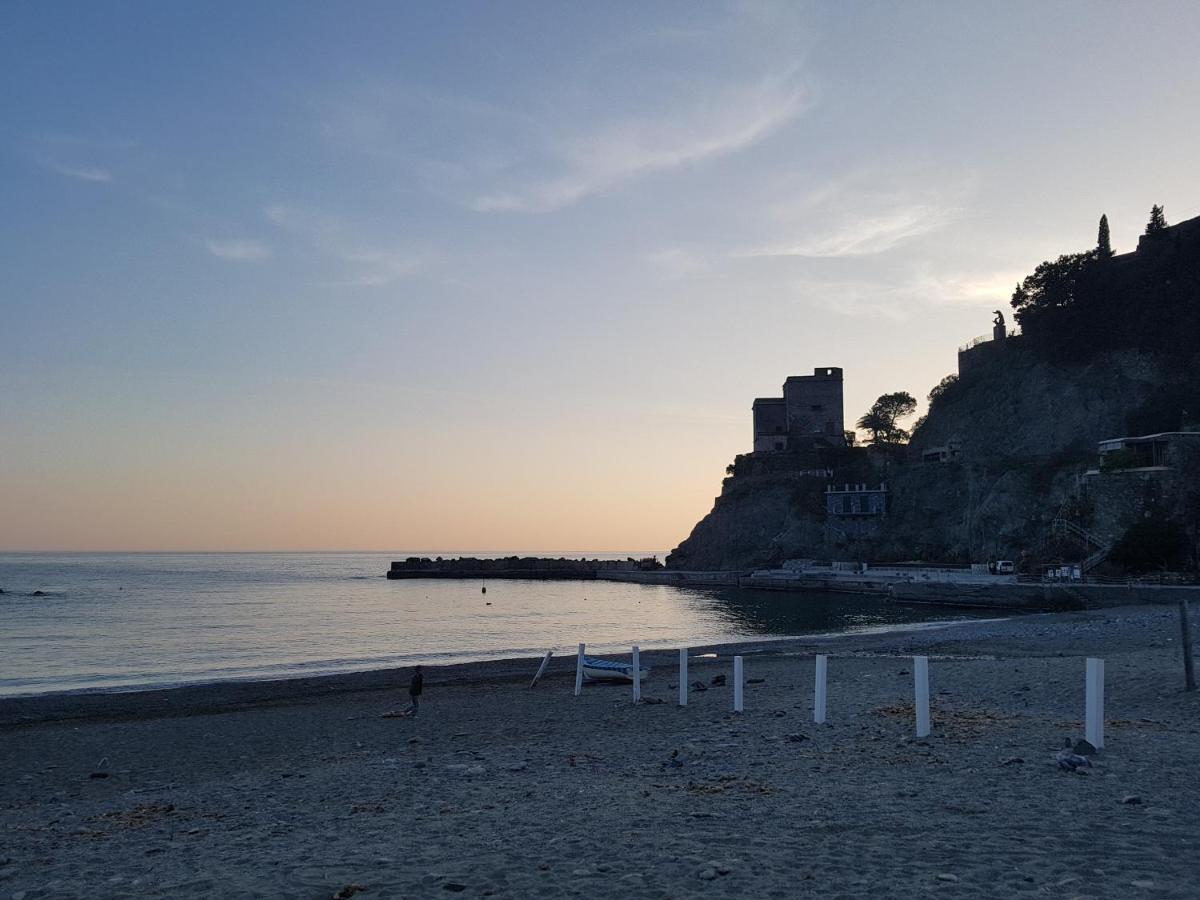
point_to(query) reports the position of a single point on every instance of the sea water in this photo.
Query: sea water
(128, 621)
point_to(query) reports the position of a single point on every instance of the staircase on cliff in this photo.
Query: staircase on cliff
(1099, 550)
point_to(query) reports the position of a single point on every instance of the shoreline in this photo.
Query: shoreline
(365, 679)
(202, 698)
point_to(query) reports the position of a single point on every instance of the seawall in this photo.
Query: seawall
(535, 574)
(1043, 596)
(673, 577)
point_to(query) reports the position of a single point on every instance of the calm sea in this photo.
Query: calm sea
(126, 621)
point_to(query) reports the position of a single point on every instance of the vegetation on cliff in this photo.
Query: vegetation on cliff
(883, 418)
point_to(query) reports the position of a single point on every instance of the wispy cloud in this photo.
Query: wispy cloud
(654, 101)
(968, 288)
(73, 156)
(83, 173)
(375, 268)
(910, 294)
(366, 261)
(864, 213)
(75, 142)
(866, 234)
(239, 250)
(592, 162)
(679, 262)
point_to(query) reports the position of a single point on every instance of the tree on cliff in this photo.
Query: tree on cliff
(1103, 244)
(1050, 303)
(882, 419)
(1158, 222)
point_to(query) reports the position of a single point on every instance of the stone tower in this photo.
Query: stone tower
(809, 413)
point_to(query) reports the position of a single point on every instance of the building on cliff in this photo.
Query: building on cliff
(855, 510)
(809, 413)
(1142, 478)
(856, 499)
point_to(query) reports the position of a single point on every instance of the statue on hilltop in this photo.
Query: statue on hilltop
(999, 320)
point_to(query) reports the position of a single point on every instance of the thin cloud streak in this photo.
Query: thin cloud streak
(82, 173)
(368, 264)
(727, 82)
(239, 250)
(864, 213)
(622, 151)
(674, 263)
(867, 235)
(59, 153)
(898, 300)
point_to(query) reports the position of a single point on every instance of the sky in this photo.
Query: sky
(508, 276)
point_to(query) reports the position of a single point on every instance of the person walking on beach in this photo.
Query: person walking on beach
(414, 691)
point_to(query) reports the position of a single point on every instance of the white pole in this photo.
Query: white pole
(921, 676)
(542, 667)
(579, 671)
(819, 698)
(737, 684)
(1094, 726)
(637, 676)
(683, 676)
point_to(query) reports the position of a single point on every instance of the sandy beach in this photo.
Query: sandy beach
(300, 789)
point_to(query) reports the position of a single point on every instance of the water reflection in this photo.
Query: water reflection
(811, 612)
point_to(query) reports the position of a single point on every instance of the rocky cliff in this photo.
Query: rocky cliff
(1024, 429)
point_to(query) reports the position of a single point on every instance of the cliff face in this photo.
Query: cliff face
(1025, 429)
(1018, 406)
(758, 521)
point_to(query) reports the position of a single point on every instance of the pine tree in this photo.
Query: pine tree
(1158, 222)
(881, 419)
(1103, 246)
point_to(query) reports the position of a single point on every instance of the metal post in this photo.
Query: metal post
(637, 676)
(921, 679)
(1094, 704)
(819, 694)
(737, 684)
(683, 676)
(1189, 662)
(579, 671)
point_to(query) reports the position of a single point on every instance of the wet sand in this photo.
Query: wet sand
(300, 789)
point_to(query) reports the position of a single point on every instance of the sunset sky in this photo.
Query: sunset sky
(499, 276)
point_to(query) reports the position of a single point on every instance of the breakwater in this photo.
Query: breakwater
(524, 567)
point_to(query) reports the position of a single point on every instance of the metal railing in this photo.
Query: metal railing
(974, 342)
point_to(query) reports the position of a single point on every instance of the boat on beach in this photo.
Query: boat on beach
(604, 670)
